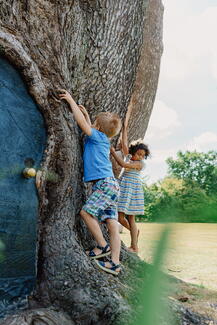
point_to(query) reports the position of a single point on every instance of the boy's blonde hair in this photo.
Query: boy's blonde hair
(108, 123)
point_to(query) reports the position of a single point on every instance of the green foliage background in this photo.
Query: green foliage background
(188, 193)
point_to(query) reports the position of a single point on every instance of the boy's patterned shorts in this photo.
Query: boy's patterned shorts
(103, 201)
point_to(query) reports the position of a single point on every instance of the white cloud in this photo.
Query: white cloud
(162, 122)
(159, 156)
(204, 142)
(214, 68)
(189, 61)
(189, 43)
(156, 167)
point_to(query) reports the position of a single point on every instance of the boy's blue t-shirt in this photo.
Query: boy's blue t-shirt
(97, 163)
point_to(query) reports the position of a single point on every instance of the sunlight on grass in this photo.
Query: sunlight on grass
(191, 253)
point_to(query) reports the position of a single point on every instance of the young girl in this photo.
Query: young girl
(131, 199)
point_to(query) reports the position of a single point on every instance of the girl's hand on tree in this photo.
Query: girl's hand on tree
(119, 146)
(112, 150)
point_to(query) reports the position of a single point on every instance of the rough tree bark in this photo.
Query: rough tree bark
(107, 53)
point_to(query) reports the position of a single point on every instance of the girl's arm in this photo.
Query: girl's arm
(125, 146)
(134, 165)
(124, 141)
(85, 113)
(78, 115)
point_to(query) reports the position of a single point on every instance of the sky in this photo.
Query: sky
(184, 116)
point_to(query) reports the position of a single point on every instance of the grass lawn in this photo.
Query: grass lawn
(191, 254)
(191, 257)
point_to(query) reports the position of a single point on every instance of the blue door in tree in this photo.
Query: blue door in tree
(22, 142)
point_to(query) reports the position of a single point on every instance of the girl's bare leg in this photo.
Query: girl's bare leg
(123, 221)
(134, 234)
(137, 238)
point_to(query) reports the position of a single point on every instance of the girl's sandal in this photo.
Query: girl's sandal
(105, 251)
(113, 269)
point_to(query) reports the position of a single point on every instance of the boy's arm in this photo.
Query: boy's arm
(85, 113)
(135, 165)
(78, 115)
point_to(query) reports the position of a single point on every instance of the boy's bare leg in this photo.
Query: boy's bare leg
(134, 234)
(115, 241)
(93, 226)
(123, 221)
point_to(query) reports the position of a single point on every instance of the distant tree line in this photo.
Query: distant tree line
(188, 193)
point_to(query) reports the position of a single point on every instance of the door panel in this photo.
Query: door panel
(22, 142)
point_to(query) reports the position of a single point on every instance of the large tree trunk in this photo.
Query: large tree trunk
(107, 53)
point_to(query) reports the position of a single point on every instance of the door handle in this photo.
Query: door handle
(29, 172)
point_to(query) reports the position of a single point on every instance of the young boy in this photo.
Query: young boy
(102, 204)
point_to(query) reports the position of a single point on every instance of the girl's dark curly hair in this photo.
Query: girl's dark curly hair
(139, 144)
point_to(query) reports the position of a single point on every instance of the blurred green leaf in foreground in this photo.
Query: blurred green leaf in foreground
(150, 306)
(2, 248)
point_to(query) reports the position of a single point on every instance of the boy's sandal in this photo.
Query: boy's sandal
(112, 269)
(105, 251)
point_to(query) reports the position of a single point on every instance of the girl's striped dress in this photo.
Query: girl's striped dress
(131, 198)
